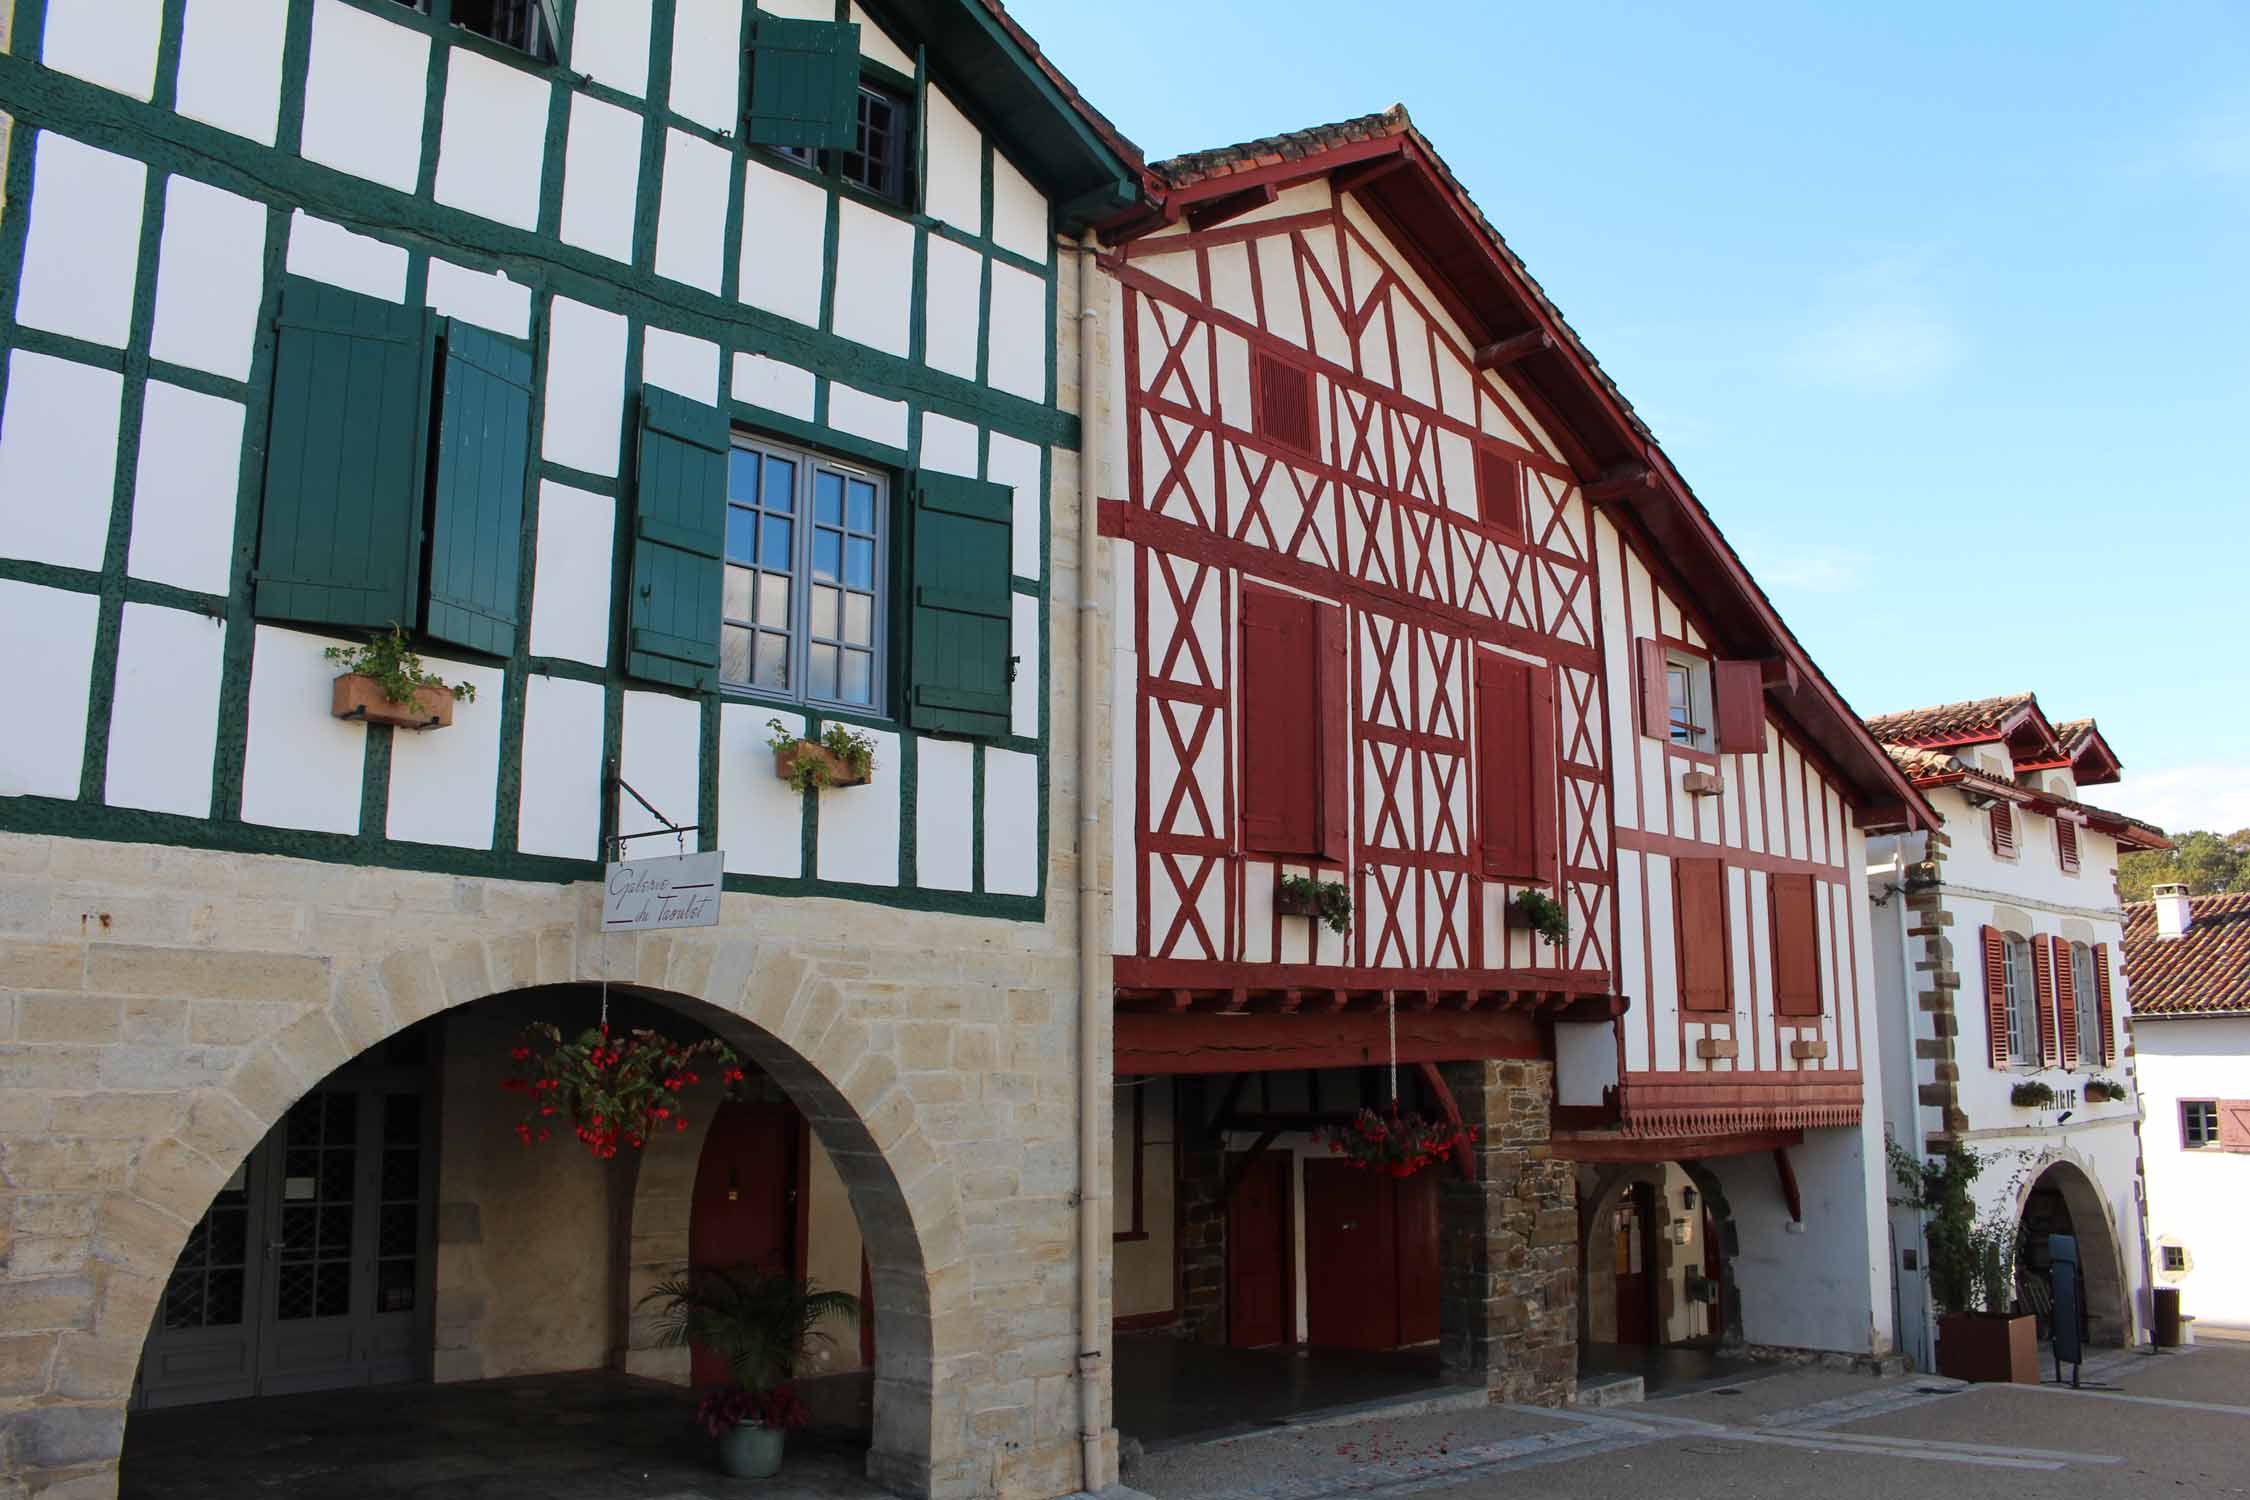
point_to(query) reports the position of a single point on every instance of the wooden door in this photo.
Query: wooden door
(1416, 1218)
(745, 1208)
(1633, 1261)
(1261, 1289)
(1351, 1258)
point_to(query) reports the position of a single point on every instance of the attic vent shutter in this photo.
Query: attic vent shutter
(1700, 912)
(2066, 1003)
(476, 514)
(679, 537)
(2001, 820)
(1500, 490)
(1995, 999)
(2043, 997)
(1516, 769)
(961, 620)
(2066, 845)
(2107, 1046)
(1738, 691)
(804, 83)
(339, 532)
(1796, 944)
(1285, 403)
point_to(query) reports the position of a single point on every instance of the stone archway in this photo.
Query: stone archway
(1609, 1182)
(2100, 1254)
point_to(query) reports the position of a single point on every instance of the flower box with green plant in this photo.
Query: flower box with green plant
(384, 682)
(610, 1093)
(1537, 912)
(759, 1322)
(2100, 1090)
(1310, 896)
(2031, 1093)
(840, 757)
(1397, 1145)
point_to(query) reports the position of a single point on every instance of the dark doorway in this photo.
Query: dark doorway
(1633, 1246)
(1261, 1300)
(1371, 1257)
(745, 1207)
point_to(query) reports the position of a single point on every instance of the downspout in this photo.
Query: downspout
(1093, 908)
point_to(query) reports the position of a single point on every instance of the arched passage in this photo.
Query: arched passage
(1643, 1284)
(2060, 1196)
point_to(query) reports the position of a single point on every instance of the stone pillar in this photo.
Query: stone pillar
(1508, 1236)
(1202, 1215)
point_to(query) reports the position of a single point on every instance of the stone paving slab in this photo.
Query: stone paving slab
(1331, 1458)
(1760, 1397)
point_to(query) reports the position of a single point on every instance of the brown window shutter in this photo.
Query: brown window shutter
(1656, 709)
(2066, 1002)
(2066, 844)
(1333, 683)
(2101, 1002)
(1500, 490)
(1285, 403)
(1794, 903)
(1516, 769)
(1281, 726)
(1738, 689)
(1699, 910)
(2001, 820)
(2234, 1124)
(1995, 999)
(2043, 996)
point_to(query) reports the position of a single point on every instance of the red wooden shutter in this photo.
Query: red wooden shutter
(1738, 689)
(1499, 490)
(2001, 821)
(1285, 402)
(2043, 996)
(2066, 844)
(1699, 909)
(1333, 678)
(2234, 1124)
(1995, 999)
(1282, 744)
(1656, 703)
(1516, 769)
(1794, 903)
(2107, 1046)
(2066, 1002)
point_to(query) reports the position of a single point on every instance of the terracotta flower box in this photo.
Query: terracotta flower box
(1989, 1347)
(1295, 901)
(786, 759)
(360, 697)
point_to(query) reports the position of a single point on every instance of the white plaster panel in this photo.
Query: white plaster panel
(680, 363)
(570, 615)
(876, 43)
(859, 825)
(164, 721)
(609, 42)
(1019, 213)
(301, 767)
(109, 42)
(1231, 291)
(707, 61)
(691, 218)
(184, 489)
(321, 251)
(601, 170)
(870, 417)
(1017, 333)
(773, 385)
(58, 459)
(953, 189)
(585, 386)
(949, 445)
(444, 781)
(784, 237)
(874, 277)
(230, 65)
(1015, 463)
(364, 94)
(42, 753)
(81, 252)
(802, 10)
(663, 738)
(493, 144)
(944, 814)
(1631, 960)
(1124, 769)
(210, 278)
(492, 301)
(1664, 982)
(1011, 824)
(761, 818)
(1023, 711)
(561, 800)
(1277, 272)
(951, 317)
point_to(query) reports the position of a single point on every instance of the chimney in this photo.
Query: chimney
(2173, 914)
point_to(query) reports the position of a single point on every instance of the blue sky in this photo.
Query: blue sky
(1944, 311)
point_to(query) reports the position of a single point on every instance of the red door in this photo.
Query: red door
(1417, 1220)
(1632, 1260)
(1261, 1299)
(1351, 1258)
(745, 1206)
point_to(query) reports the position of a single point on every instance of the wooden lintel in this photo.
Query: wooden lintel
(1213, 212)
(1207, 1042)
(1624, 480)
(1591, 1009)
(1286, 1120)
(1789, 1193)
(1507, 351)
(1616, 1147)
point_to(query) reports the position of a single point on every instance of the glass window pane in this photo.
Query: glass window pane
(742, 475)
(738, 593)
(828, 498)
(860, 515)
(734, 654)
(859, 619)
(827, 548)
(742, 533)
(773, 600)
(859, 676)
(824, 611)
(773, 660)
(823, 677)
(774, 538)
(859, 562)
(781, 485)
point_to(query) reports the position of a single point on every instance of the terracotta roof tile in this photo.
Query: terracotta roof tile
(1951, 722)
(1290, 145)
(2203, 972)
(1928, 769)
(2072, 734)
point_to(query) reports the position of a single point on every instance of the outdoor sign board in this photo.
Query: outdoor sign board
(673, 890)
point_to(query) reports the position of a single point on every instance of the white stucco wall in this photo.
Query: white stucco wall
(2198, 1200)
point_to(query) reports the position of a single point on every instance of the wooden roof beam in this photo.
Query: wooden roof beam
(1500, 355)
(1216, 211)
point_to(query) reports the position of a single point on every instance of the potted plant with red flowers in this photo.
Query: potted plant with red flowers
(611, 1091)
(1397, 1145)
(758, 1322)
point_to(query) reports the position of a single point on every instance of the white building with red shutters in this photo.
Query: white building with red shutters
(1409, 603)
(1999, 952)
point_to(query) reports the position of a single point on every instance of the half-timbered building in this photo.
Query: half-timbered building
(1411, 607)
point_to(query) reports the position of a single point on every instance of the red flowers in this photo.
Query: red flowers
(729, 1407)
(616, 1093)
(1395, 1144)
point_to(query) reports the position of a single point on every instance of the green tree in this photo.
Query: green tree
(2202, 861)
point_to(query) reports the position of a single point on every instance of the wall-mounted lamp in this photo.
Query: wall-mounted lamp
(1687, 1197)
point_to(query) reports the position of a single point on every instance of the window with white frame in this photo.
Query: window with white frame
(2083, 1001)
(1687, 699)
(802, 613)
(2023, 1003)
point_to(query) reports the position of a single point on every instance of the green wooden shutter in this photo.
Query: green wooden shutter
(679, 539)
(339, 533)
(804, 83)
(476, 514)
(961, 608)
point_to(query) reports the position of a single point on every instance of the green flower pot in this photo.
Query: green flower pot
(751, 1451)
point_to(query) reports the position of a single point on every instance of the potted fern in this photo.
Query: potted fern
(384, 682)
(759, 1322)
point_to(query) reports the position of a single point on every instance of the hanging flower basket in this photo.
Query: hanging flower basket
(1395, 1144)
(610, 1093)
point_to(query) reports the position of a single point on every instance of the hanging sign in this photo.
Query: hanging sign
(673, 890)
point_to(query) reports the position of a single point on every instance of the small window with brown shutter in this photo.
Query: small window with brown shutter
(1796, 944)
(1516, 791)
(2000, 822)
(1500, 490)
(1294, 725)
(2066, 845)
(1699, 914)
(1284, 402)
